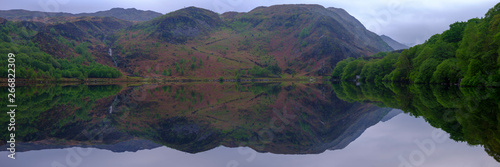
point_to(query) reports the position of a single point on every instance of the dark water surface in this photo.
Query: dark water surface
(253, 124)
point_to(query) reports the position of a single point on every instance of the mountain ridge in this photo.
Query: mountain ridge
(299, 39)
(280, 41)
(130, 14)
(393, 43)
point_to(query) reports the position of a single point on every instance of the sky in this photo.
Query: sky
(407, 21)
(401, 141)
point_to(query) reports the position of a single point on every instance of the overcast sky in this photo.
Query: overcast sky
(407, 21)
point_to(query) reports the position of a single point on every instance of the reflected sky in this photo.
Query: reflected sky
(383, 144)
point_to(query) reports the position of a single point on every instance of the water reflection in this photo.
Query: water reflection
(279, 118)
(468, 114)
(282, 118)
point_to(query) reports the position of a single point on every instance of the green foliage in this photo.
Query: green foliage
(99, 71)
(274, 69)
(177, 67)
(305, 32)
(36, 64)
(193, 66)
(467, 53)
(339, 68)
(377, 69)
(167, 73)
(239, 25)
(474, 74)
(260, 72)
(447, 72)
(53, 31)
(493, 11)
(426, 70)
(352, 69)
(82, 49)
(455, 33)
(237, 75)
(304, 44)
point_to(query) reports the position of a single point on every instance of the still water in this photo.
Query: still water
(254, 124)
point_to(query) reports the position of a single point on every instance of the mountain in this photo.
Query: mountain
(394, 44)
(275, 41)
(282, 41)
(179, 26)
(26, 15)
(130, 14)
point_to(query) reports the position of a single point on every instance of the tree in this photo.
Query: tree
(352, 69)
(275, 69)
(193, 66)
(455, 33)
(426, 71)
(447, 72)
(493, 11)
(339, 68)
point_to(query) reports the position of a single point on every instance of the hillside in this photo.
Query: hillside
(393, 43)
(130, 14)
(276, 41)
(282, 41)
(466, 54)
(69, 47)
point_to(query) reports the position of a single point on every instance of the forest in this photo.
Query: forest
(466, 54)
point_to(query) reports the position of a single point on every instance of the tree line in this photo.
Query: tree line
(467, 54)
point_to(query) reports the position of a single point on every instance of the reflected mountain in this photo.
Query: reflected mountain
(280, 118)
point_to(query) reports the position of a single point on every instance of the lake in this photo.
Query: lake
(253, 124)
